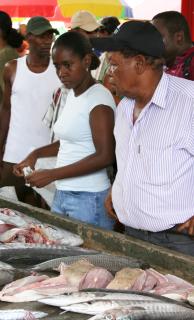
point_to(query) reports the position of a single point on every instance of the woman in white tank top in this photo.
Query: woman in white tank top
(85, 132)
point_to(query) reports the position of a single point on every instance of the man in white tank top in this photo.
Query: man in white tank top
(29, 84)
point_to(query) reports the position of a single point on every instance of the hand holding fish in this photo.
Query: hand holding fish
(40, 178)
(188, 225)
(29, 161)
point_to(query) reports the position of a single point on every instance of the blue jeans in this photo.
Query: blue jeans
(84, 206)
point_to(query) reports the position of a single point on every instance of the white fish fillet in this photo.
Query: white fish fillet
(21, 314)
(24, 296)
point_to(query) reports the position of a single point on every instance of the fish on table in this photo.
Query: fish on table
(23, 290)
(17, 227)
(101, 294)
(108, 261)
(36, 252)
(100, 306)
(128, 314)
(8, 273)
(21, 314)
(80, 274)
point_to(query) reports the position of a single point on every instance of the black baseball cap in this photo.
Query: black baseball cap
(38, 25)
(140, 36)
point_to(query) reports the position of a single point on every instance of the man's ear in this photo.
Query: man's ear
(179, 37)
(140, 63)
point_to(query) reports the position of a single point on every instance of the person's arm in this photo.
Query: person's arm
(49, 150)
(101, 123)
(5, 109)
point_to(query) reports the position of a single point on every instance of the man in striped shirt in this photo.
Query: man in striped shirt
(153, 193)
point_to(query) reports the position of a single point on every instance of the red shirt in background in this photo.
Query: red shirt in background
(183, 66)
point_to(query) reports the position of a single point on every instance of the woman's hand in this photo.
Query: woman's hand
(39, 178)
(30, 161)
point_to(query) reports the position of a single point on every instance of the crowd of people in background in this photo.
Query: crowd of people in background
(58, 100)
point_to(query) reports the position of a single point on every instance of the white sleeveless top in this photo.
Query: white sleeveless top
(30, 99)
(76, 142)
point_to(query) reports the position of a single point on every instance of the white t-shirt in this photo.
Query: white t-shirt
(73, 130)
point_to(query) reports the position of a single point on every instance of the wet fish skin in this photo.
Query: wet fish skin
(143, 295)
(97, 307)
(79, 297)
(21, 314)
(112, 263)
(6, 266)
(8, 273)
(38, 252)
(145, 315)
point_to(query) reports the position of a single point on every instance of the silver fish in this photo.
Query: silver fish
(21, 314)
(124, 314)
(97, 307)
(8, 273)
(79, 297)
(21, 253)
(108, 261)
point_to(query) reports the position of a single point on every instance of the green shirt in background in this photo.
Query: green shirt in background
(6, 54)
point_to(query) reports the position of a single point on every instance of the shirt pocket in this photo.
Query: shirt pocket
(158, 165)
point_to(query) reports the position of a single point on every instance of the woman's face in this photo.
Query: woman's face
(70, 68)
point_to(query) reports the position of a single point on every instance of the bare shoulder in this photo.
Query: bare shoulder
(10, 70)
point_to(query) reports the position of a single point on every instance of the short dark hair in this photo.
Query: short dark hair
(79, 44)
(174, 22)
(109, 24)
(10, 35)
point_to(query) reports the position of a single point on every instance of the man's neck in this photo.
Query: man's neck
(36, 63)
(147, 90)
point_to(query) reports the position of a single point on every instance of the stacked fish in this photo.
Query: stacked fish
(66, 290)
(131, 276)
(112, 305)
(15, 227)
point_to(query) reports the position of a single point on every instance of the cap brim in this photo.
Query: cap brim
(42, 30)
(89, 27)
(107, 44)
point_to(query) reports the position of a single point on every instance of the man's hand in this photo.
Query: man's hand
(188, 225)
(109, 206)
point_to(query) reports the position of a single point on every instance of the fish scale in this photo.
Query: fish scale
(107, 261)
(100, 306)
(145, 315)
(82, 296)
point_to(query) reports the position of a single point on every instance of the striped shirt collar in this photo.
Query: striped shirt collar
(159, 97)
